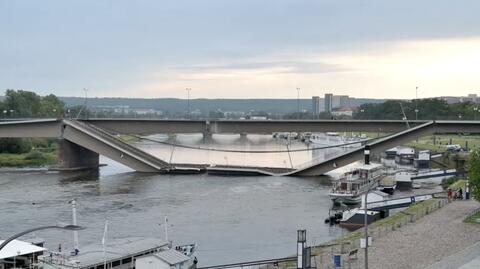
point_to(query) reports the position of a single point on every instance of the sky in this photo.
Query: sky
(241, 49)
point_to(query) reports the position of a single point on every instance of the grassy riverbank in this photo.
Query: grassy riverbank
(32, 159)
(474, 217)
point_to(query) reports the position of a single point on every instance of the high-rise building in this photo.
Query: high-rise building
(328, 102)
(344, 101)
(315, 105)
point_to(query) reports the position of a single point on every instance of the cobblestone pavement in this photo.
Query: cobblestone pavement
(426, 241)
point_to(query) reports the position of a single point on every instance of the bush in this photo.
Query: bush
(446, 182)
(35, 155)
(15, 145)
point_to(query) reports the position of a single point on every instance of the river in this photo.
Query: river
(232, 219)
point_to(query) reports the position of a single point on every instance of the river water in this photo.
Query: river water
(232, 219)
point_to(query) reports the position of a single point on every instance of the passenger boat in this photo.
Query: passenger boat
(335, 139)
(121, 253)
(350, 186)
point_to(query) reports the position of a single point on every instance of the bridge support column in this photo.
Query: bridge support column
(207, 136)
(74, 157)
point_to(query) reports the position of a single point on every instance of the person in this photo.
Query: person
(449, 194)
(460, 194)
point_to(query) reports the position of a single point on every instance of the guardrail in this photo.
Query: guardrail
(251, 263)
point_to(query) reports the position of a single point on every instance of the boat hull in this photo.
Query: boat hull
(348, 200)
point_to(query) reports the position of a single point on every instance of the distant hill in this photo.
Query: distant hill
(174, 105)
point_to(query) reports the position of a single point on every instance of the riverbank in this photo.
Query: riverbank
(426, 241)
(30, 159)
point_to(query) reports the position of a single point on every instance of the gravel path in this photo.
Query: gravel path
(426, 241)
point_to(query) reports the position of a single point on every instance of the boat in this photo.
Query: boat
(335, 139)
(387, 184)
(350, 186)
(355, 218)
(117, 253)
(121, 253)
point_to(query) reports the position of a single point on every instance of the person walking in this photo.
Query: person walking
(449, 195)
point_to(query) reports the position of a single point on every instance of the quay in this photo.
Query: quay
(427, 241)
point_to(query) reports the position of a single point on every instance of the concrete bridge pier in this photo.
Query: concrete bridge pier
(207, 136)
(74, 157)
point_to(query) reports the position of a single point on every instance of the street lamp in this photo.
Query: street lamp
(68, 227)
(460, 116)
(416, 103)
(188, 101)
(298, 101)
(475, 110)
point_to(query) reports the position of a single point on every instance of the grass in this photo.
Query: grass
(426, 142)
(31, 159)
(473, 218)
(462, 183)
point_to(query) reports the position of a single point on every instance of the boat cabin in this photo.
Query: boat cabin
(119, 254)
(169, 259)
(358, 178)
(20, 254)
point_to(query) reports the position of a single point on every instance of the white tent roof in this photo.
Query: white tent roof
(17, 247)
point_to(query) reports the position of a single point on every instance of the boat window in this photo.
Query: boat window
(100, 266)
(126, 260)
(116, 263)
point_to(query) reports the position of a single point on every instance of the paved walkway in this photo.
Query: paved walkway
(429, 240)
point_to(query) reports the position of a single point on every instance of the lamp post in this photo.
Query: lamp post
(475, 110)
(367, 161)
(68, 227)
(416, 103)
(298, 101)
(188, 102)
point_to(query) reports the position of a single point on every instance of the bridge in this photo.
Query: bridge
(83, 140)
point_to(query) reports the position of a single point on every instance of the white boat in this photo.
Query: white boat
(350, 186)
(116, 253)
(335, 139)
(120, 253)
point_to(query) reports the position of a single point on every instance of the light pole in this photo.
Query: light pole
(68, 227)
(475, 110)
(298, 101)
(367, 161)
(416, 103)
(188, 102)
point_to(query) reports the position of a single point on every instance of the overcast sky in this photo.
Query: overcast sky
(241, 49)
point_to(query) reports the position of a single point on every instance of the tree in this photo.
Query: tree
(51, 106)
(474, 173)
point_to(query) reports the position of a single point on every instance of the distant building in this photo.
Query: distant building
(460, 99)
(315, 105)
(346, 112)
(328, 102)
(344, 101)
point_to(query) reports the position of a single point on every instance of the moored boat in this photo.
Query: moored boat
(350, 186)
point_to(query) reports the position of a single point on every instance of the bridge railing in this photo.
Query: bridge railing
(125, 146)
(282, 262)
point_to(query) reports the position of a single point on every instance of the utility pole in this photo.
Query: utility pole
(188, 102)
(298, 101)
(416, 103)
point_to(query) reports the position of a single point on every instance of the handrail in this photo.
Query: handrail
(242, 264)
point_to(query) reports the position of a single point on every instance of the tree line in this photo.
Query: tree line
(421, 109)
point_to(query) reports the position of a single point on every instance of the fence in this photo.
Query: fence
(348, 247)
